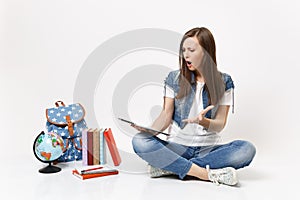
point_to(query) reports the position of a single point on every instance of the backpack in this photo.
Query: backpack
(68, 122)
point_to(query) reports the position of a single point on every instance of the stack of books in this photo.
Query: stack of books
(94, 142)
(87, 173)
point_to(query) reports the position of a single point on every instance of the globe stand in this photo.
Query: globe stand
(50, 169)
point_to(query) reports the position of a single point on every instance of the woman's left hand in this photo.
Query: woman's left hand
(200, 117)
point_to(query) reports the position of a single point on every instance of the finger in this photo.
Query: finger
(185, 120)
(132, 125)
(208, 108)
(189, 120)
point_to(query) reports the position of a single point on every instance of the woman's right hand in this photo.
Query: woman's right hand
(200, 117)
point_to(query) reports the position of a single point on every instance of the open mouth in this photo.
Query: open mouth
(189, 63)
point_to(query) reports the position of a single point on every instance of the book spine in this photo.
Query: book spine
(112, 147)
(84, 147)
(102, 148)
(96, 147)
(88, 176)
(99, 171)
(90, 147)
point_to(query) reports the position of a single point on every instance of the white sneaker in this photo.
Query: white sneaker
(225, 175)
(157, 172)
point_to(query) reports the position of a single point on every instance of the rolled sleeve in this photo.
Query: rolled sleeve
(228, 82)
(227, 98)
(169, 92)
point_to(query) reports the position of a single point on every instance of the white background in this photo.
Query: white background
(43, 45)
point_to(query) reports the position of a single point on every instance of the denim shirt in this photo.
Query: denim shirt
(183, 106)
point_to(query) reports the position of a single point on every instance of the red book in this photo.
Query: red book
(94, 175)
(90, 157)
(110, 141)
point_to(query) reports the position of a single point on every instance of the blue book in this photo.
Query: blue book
(102, 148)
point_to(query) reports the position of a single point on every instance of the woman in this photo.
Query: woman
(197, 99)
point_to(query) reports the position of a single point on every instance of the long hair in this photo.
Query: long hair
(208, 67)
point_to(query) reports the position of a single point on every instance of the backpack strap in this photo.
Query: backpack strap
(70, 125)
(76, 146)
(66, 146)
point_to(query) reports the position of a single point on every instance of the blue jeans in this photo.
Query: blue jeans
(178, 158)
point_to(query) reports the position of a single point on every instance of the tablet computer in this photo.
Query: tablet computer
(147, 129)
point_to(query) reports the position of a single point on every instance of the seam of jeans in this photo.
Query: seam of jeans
(186, 169)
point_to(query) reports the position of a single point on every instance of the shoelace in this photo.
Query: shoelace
(214, 178)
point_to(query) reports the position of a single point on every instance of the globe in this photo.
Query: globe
(47, 148)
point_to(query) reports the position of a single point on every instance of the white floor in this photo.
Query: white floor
(264, 179)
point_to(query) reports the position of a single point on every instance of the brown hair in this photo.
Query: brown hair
(208, 68)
